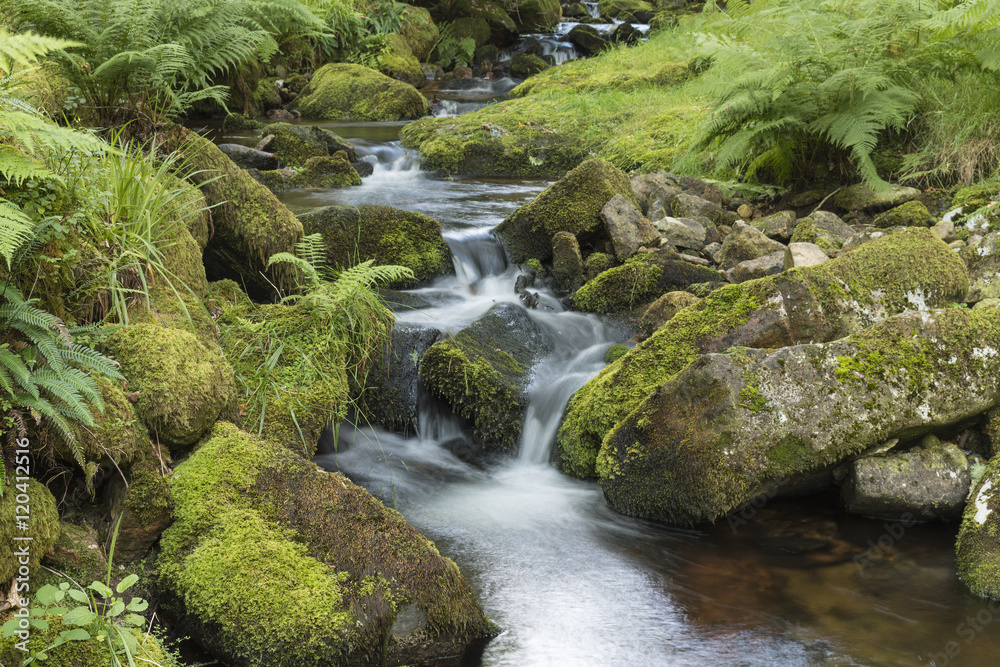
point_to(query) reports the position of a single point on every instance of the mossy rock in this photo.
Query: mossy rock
(293, 402)
(860, 197)
(976, 198)
(817, 303)
(272, 561)
(823, 229)
(502, 29)
(572, 204)
(476, 29)
(639, 280)
(483, 372)
(330, 171)
(910, 214)
(977, 551)
(184, 385)
(77, 553)
(237, 121)
(90, 653)
(983, 262)
(663, 309)
(419, 30)
(614, 353)
(523, 65)
(295, 145)
(567, 264)
(145, 506)
(341, 90)
(398, 62)
(640, 9)
(596, 264)
(250, 223)
(353, 234)
(737, 426)
(265, 96)
(43, 529)
(537, 15)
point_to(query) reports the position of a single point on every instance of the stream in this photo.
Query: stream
(794, 582)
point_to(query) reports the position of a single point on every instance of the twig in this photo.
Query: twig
(825, 198)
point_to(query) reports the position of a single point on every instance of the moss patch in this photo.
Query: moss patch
(43, 527)
(329, 171)
(342, 90)
(639, 280)
(90, 653)
(398, 62)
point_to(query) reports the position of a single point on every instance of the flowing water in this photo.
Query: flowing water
(573, 583)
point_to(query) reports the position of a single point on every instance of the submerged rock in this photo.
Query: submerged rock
(342, 90)
(272, 561)
(732, 427)
(388, 235)
(484, 372)
(817, 303)
(926, 482)
(572, 204)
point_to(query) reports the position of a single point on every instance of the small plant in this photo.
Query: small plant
(452, 51)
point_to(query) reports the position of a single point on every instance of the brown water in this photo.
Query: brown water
(795, 582)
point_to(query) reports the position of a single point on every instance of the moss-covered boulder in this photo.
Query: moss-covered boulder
(250, 223)
(746, 243)
(567, 264)
(398, 62)
(910, 214)
(20, 557)
(587, 40)
(734, 427)
(90, 653)
(295, 145)
(824, 229)
(537, 15)
(983, 261)
(144, 505)
(640, 9)
(860, 197)
(273, 561)
(353, 234)
(778, 226)
(929, 483)
(639, 280)
(183, 385)
(978, 546)
(468, 27)
(292, 371)
(331, 171)
(419, 30)
(816, 303)
(501, 28)
(663, 309)
(483, 373)
(78, 553)
(342, 90)
(572, 204)
(523, 65)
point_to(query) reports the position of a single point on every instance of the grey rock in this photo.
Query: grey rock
(745, 242)
(803, 254)
(945, 230)
(392, 387)
(682, 232)
(690, 206)
(363, 167)
(699, 188)
(249, 158)
(768, 265)
(983, 262)
(627, 227)
(694, 260)
(779, 226)
(649, 188)
(928, 484)
(567, 264)
(862, 198)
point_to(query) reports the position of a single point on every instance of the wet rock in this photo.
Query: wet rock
(779, 226)
(732, 427)
(803, 254)
(587, 40)
(342, 90)
(295, 145)
(571, 204)
(392, 385)
(983, 261)
(910, 214)
(663, 309)
(928, 483)
(387, 235)
(860, 197)
(363, 167)
(640, 279)
(682, 232)
(523, 65)
(745, 242)
(329, 171)
(819, 303)
(567, 264)
(751, 269)
(654, 186)
(273, 561)
(824, 229)
(690, 206)
(484, 370)
(249, 158)
(627, 228)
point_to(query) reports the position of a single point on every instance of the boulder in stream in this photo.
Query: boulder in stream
(733, 427)
(390, 397)
(911, 269)
(343, 90)
(271, 560)
(295, 145)
(249, 158)
(483, 372)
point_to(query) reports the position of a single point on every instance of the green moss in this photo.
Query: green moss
(622, 287)
(278, 561)
(807, 232)
(830, 301)
(419, 30)
(90, 653)
(910, 214)
(398, 62)
(981, 198)
(341, 90)
(265, 96)
(43, 526)
(183, 384)
(471, 27)
(523, 65)
(615, 352)
(535, 15)
(387, 235)
(634, 7)
(326, 172)
(237, 121)
(597, 263)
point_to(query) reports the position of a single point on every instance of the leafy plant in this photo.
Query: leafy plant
(454, 51)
